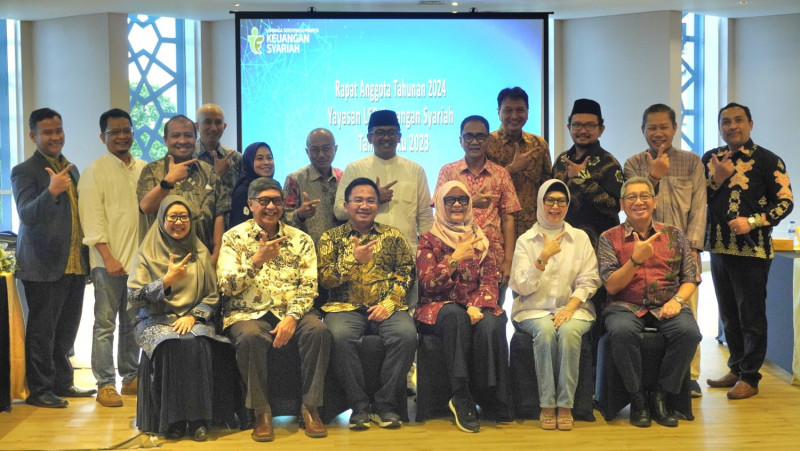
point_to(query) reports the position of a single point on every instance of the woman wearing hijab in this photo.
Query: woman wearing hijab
(458, 302)
(172, 292)
(553, 276)
(257, 162)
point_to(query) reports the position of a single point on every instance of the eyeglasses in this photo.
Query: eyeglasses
(381, 133)
(451, 200)
(469, 137)
(316, 150)
(175, 218)
(550, 201)
(644, 197)
(361, 200)
(265, 201)
(590, 127)
(119, 131)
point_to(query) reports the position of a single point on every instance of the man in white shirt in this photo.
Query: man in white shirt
(405, 199)
(113, 227)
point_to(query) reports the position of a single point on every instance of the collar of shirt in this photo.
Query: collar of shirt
(59, 161)
(463, 167)
(194, 167)
(539, 232)
(594, 149)
(654, 153)
(200, 148)
(256, 231)
(654, 226)
(746, 150)
(506, 138)
(376, 227)
(314, 174)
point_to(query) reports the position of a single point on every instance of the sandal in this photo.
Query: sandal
(565, 422)
(548, 421)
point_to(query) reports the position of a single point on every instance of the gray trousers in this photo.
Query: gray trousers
(253, 343)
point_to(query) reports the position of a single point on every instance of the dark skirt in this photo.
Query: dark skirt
(187, 379)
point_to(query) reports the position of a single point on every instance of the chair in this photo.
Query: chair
(525, 387)
(611, 393)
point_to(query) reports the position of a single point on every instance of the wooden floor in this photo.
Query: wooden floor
(769, 420)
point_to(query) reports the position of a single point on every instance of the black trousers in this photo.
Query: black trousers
(741, 287)
(253, 343)
(54, 314)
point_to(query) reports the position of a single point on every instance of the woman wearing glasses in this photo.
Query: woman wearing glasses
(257, 162)
(553, 275)
(172, 292)
(458, 302)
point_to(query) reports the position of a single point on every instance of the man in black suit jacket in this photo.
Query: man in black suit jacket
(53, 262)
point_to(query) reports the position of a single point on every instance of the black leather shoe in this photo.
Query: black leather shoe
(659, 410)
(46, 399)
(76, 392)
(640, 414)
(198, 431)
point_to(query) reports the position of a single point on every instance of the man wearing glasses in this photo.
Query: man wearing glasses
(267, 272)
(310, 192)
(494, 198)
(649, 270)
(113, 229)
(593, 175)
(405, 199)
(179, 173)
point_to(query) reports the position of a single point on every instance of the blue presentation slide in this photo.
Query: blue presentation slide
(300, 74)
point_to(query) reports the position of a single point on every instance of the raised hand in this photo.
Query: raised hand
(176, 271)
(178, 172)
(267, 250)
(221, 165)
(723, 167)
(660, 164)
(59, 182)
(573, 169)
(643, 249)
(307, 208)
(483, 199)
(465, 249)
(520, 161)
(385, 193)
(363, 253)
(551, 247)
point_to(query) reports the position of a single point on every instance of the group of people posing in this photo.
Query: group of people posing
(207, 263)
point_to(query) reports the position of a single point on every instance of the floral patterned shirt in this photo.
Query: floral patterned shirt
(286, 284)
(527, 181)
(497, 181)
(473, 283)
(309, 180)
(659, 277)
(385, 279)
(758, 185)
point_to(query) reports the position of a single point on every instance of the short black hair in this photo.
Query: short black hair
(512, 93)
(116, 113)
(262, 184)
(181, 118)
(735, 105)
(40, 115)
(475, 118)
(360, 181)
(659, 108)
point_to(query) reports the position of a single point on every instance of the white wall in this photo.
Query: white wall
(626, 63)
(78, 68)
(219, 72)
(766, 64)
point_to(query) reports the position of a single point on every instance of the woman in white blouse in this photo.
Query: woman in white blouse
(553, 277)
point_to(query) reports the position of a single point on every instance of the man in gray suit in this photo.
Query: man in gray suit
(53, 262)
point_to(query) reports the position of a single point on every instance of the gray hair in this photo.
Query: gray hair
(262, 184)
(634, 180)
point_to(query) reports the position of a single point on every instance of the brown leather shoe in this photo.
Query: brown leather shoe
(742, 390)
(728, 380)
(131, 388)
(311, 422)
(263, 431)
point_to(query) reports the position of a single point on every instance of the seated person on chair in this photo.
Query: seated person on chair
(458, 303)
(368, 269)
(648, 269)
(268, 272)
(553, 277)
(172, 293)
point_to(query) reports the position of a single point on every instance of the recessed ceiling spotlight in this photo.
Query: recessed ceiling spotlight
(235, 5)
(743, 2)
(454, 4)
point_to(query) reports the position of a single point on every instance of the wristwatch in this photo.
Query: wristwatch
(294, 315)
(539, 261)
(166, 185)
(453, 264)
(679, 299)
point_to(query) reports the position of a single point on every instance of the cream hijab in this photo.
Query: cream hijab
(541, 216)
(451, 233)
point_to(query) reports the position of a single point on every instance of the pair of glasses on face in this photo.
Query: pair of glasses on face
(265, 201)
(380, 133)
(451, 200)
(590, 127)
(119, 131)
(469, 137)
(176, 218)
(364, 200)
(550, 201)
(644, 197)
